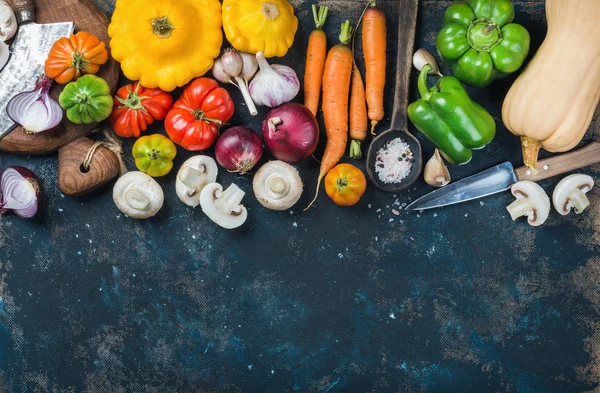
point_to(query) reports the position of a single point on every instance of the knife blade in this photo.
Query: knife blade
(30, 48)
(491, 181)
(502, 177)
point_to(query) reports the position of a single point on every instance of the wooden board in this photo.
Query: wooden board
(87, 17)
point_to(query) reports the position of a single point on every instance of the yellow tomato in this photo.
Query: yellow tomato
(165, 43)
(345, 184)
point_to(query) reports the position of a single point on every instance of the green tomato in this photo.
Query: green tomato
(87, 100)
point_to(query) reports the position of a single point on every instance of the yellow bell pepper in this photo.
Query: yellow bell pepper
(267, 26)
(164, 43)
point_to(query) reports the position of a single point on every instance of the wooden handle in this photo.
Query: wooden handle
(562, 163)
(24, 10)
(406, 42)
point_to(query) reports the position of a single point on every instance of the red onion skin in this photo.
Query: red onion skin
(238, 149)
(28, 176)
(296, 137)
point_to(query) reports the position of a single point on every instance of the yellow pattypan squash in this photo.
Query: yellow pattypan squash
(267, 26)
(165, 43)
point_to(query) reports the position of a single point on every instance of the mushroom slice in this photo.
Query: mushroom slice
(193, 176)
(531, 202)
(223, 207)
(277, 185)
(570, 193)
(138, 195)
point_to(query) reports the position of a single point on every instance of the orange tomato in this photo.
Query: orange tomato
(74, 56)
(345, 184)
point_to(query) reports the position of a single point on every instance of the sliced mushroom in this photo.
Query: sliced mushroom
(531, 202)
(138, 195)
(570, 193)
(193, 176)
(8, 22)
(277, 185)
(223, 207)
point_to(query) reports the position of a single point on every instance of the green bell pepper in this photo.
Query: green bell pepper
(451, 119)
(479, 42)
(87, 100)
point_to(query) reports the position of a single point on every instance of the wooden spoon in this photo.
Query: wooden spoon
(399, 125)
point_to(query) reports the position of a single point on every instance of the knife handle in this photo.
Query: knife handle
(562, 163)
(24, 10)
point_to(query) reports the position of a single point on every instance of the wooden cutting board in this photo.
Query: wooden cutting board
(87, 17)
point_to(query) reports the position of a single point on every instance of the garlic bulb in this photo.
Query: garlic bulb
(8, 22)
(436, 173)
(235, 68)
(274, 84)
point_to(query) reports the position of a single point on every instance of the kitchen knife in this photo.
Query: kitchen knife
(29, 49)
(502, 177)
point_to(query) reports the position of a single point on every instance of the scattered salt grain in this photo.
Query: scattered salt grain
(481, 203)
(391, 219)
(295, 224)
(369, 205)
(395, 212)
(377, 211)
(435, 214)
(60, 210)
(467, 215)
(394, 161)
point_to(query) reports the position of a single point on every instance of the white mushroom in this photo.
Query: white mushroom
(277, 185)
(570, 193)
(223, 207)
(193, 176)
(138, 195)
(531, 202)
(8, 22)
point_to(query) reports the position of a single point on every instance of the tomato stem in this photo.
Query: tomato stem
(341, 183)
(154, 154)
(79, 62)
(199, 115)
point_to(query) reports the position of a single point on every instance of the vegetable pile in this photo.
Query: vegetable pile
(165, 45)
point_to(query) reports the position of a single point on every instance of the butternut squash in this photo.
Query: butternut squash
(552, 103)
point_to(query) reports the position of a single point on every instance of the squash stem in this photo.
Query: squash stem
(531, 148)
(162, 27)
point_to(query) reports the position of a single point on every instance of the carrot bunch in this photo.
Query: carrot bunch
(340, 80)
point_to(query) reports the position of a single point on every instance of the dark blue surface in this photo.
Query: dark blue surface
(329, 300)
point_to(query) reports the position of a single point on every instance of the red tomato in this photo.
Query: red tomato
(194, 121)
(136, 108)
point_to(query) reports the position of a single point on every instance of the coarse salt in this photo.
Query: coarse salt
(394, 161)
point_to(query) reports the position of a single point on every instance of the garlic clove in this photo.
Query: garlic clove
(436, 173)
(249, 67)
(422, 57)
(232, 62)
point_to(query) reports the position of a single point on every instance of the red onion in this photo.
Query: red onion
(238, 149)
(20, 192)
(290, 132)
(35, 110)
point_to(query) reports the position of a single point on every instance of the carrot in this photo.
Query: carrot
(358, 114)
(336, 88)
(374, 47)
(315, 60)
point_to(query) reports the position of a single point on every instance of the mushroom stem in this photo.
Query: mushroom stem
(189, 177)
(230, 199)
(137, 199)
(277, 184)
(579, 200)
(519, 208)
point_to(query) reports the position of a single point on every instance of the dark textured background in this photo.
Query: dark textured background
(335, 299)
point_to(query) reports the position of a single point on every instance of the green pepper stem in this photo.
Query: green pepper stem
(320, 15)
(423, 89)
(346, 33)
